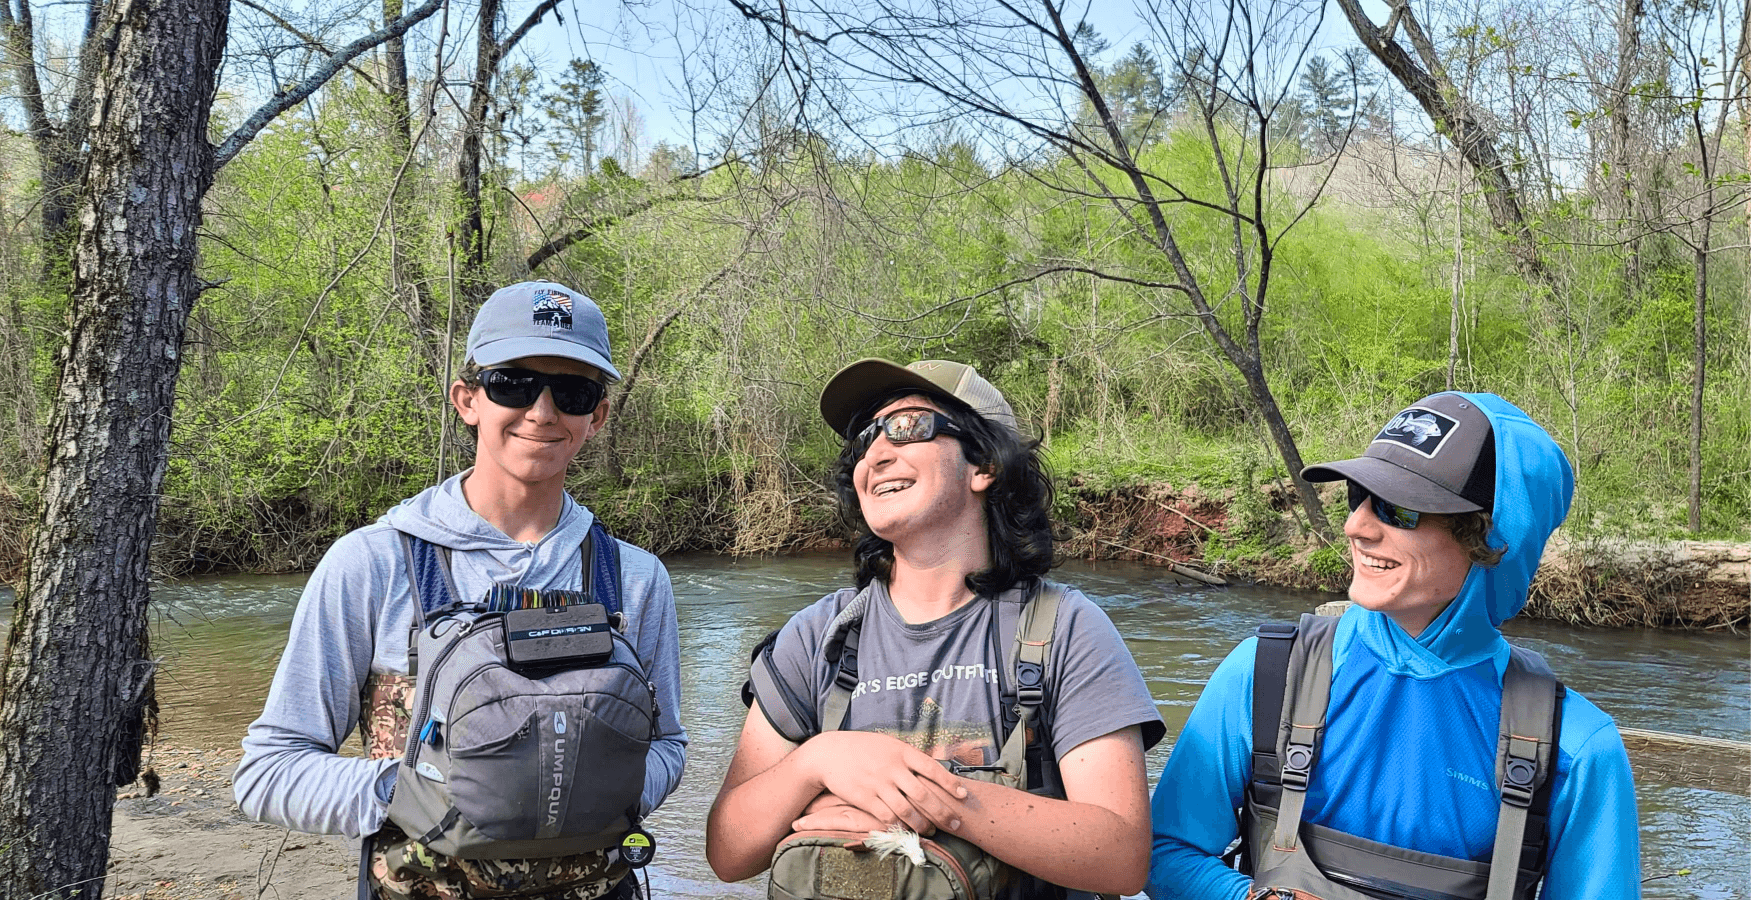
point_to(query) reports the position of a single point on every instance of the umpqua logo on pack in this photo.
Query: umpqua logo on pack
(551, 308)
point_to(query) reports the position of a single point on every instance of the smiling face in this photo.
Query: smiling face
(1409, 574)
(530, 446)
(923, 492)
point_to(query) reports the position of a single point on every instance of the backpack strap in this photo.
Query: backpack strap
(842, 650)
(429, 575)
(601, 558)
(1029, 665)
(1273, 652)
(1527, 733)
(1309, 672)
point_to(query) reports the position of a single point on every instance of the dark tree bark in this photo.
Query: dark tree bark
(469, 221)
(1620, 109)
(489, 50)
(75, 683)
(76, 677)
(408, 277)
(1697, 408)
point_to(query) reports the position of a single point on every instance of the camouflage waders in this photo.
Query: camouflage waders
(403, 869)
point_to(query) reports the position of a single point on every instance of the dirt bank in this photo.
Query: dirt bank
(190, 842)
(1258, 537)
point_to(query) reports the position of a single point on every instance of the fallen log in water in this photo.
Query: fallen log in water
(1688, 760)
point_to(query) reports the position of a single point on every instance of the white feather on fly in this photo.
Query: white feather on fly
(898, 839)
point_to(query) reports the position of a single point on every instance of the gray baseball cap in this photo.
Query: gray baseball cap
(1436, 456)
(854, 387)
(540, 318)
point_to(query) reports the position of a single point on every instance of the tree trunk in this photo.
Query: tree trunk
(1450, 110)
(1456, 283)
(73, 683)
(470, 234)
(59, 145)
(1698, 425)
(1624, 199)
(408, 278)
(1281, 434)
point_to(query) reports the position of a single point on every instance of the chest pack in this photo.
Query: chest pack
(838, 865)
(530, 720)
(1293, 671)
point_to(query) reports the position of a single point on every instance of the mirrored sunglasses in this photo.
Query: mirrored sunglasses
(905, 426)
(1386, 512)
(575, 395)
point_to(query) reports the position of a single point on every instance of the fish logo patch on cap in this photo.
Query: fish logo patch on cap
(1418, 429)
(551, 308)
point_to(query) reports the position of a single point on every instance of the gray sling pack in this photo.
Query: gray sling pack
(504, 762)
(1284, 853)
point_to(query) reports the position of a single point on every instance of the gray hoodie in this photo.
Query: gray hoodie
(353, 619)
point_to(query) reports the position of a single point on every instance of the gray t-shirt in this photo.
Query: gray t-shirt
(936, 685)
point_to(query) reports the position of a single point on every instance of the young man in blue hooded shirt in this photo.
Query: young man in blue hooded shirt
(1452, 505)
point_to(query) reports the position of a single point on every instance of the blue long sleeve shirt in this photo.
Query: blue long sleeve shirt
(1408, 754)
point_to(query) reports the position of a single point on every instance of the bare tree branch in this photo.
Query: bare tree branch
(310, 39)
(258, 120)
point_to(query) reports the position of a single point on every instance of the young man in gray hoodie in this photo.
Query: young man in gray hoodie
(531, 390)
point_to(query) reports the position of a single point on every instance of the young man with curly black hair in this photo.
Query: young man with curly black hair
(950, 504)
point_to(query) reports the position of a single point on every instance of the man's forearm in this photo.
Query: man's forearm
(1081, 846)
(748, 821)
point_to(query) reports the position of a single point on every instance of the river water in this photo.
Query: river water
(222, 636)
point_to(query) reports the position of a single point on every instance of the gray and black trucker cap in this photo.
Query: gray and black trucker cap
(855, 386)
(1435, 456)
(540, 318)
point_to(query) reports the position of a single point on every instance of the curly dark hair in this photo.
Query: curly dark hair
(1470, 530)
(1020, 535)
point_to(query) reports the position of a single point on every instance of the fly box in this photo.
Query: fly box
(558, 637)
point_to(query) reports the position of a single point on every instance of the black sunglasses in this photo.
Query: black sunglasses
(575, 395)
(1386, 512)
(905, 426)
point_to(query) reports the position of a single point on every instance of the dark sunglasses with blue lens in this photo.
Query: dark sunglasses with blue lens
(1386, 512)
(575, 395)
(905, 426)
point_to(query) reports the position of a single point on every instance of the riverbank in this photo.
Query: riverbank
(1255, 536)
(1259, 538)
(189, 841)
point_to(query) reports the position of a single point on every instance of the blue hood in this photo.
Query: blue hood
(1532, 493)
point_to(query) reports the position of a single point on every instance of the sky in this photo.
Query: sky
(641, 45)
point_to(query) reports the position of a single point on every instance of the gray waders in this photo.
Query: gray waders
(1284, 853)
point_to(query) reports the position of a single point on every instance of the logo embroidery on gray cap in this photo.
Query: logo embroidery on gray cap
(551, 308)
(1418, 429)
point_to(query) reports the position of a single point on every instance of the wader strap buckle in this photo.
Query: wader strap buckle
(1518, 786)
(1029, 684)
(1295, 774)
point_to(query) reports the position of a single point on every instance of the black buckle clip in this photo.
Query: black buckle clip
(1518, 787)
(1295, 774)
(1029, 684)
(847, 673)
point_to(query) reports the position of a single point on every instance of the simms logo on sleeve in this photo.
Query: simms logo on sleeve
(1418, 429)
